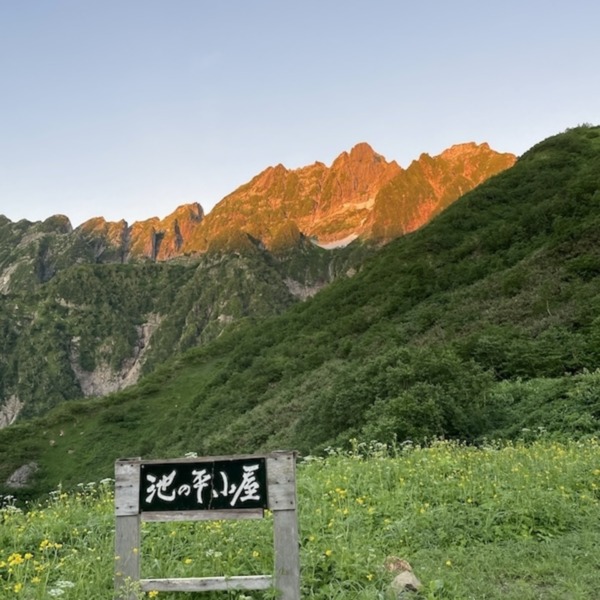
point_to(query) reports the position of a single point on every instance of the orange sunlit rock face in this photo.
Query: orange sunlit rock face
(361, 195)
(431, 184)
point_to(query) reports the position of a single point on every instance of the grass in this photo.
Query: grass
(510, 521)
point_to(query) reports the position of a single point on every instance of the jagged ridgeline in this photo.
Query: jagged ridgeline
(483, 323)
(86, 312)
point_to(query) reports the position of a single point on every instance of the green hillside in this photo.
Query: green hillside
(91, 326)
(482, 324)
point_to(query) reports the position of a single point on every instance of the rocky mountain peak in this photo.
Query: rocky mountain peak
(429, 185)
(360, 194)
(192, 212)
(361, 153)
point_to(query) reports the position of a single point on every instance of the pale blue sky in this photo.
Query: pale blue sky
(128, 108)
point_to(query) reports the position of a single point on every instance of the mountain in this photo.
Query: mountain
(483, 324)
(360, 196)
(429, 185)
(107, 302)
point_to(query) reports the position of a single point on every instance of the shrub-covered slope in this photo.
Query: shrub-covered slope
(94, 328)
(484, 322)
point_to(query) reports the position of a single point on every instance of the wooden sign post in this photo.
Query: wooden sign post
(192, 489)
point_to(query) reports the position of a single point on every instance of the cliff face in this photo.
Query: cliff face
(429, 185)
(360, 195)
(324, 203)
(153, 238)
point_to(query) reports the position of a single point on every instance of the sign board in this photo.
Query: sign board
(223, 487)
(208, 485)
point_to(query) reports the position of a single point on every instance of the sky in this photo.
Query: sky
(130, 108)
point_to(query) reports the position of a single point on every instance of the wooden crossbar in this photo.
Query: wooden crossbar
(202, 515)
(206, 584)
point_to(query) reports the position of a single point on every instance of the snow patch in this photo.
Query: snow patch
(337, 243)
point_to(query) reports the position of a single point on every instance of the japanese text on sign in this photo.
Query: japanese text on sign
(216, 485)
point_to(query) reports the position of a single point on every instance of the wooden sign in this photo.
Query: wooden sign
(208, 485)
(223, 487)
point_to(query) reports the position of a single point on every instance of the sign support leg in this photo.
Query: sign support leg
(287, 554)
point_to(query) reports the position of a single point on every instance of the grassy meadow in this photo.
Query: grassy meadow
(511, 521)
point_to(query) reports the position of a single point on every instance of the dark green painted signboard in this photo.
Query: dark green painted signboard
(216, 485)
